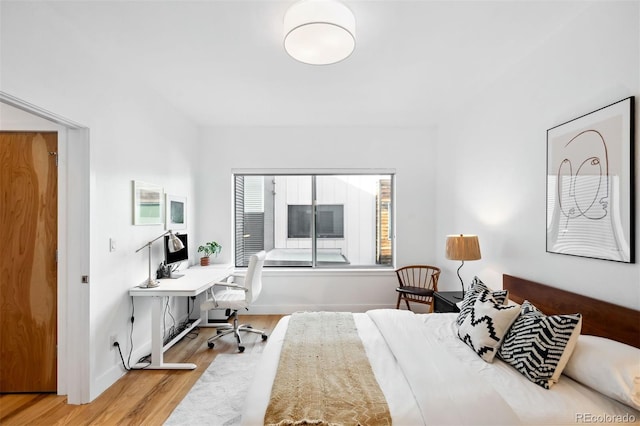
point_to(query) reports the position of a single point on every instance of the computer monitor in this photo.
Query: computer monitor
(174, 259)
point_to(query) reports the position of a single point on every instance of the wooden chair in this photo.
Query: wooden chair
(417, 284)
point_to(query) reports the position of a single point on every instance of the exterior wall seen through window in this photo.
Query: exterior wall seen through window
(348, 224)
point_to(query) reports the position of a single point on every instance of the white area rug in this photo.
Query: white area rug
(218, 396)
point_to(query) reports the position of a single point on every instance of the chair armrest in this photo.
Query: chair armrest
(231, 285)
(211, 302)
(237, 277)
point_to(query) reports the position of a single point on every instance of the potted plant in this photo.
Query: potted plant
(208, 249)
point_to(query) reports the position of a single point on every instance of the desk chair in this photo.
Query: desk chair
(417, 284)
(237, 292)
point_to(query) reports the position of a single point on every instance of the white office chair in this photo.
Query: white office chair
(237, 292)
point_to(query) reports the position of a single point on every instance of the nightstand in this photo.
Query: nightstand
(445, 301)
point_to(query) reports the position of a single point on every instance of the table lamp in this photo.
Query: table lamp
(175, 244)
(462, 247)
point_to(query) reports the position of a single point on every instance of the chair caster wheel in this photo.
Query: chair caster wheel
(210, 344)
(218, 331)
(241, 349)
(264, 337)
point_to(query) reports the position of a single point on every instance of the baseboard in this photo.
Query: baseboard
(289, 309)
(104, 381)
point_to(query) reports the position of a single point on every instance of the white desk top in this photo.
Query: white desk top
(196, 279)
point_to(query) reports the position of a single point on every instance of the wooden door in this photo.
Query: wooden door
(28, 267)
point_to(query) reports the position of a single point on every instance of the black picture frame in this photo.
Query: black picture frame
(591, 185)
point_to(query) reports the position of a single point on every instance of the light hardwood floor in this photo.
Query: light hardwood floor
(140, 397)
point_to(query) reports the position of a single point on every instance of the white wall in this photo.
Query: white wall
(492, 155)
(489, 177)
(357, 195)
(134, 136)
(407, 150)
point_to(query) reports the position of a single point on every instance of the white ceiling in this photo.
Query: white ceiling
(223, 64)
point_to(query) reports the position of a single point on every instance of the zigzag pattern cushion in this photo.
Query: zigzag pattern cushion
(476, 287)
(486, 325)
(539, 346)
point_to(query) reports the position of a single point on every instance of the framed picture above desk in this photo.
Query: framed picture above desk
(196, 280)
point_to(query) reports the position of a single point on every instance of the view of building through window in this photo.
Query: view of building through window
(350, 226)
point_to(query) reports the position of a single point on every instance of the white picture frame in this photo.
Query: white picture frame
(148, 206)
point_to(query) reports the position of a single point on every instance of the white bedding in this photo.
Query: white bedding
(447, 382)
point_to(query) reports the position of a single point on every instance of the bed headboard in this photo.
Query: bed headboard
(599, 318)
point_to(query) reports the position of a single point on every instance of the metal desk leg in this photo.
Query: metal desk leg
(157, 346)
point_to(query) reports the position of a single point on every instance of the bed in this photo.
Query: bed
(428, 375)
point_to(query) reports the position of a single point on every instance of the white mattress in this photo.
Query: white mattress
(488, 393)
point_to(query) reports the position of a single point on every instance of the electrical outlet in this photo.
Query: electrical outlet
(113, 339)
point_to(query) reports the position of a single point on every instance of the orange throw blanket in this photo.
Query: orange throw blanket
(324, 376)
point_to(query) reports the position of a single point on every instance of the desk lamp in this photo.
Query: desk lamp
(462, 247)
(174, 245)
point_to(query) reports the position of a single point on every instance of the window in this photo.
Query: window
(315, 220)
(329, 221)
(299, 221)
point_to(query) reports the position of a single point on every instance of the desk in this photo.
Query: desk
(196, 280)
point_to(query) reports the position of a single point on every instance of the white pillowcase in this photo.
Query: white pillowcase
(609, 367)
(476, 287)
(488, 321)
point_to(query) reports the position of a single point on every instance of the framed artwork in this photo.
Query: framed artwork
(147, 204)
(176, 212)
(590, 185)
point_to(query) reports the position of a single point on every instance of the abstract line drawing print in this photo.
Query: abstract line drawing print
(583, 185)
(584, 192)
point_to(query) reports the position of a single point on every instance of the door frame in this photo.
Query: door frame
(74, 379)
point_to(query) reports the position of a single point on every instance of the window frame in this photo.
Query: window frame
(313, 173)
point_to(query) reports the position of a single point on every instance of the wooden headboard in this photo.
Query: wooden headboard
(599, 318)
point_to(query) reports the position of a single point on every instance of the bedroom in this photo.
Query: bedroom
(463, 124)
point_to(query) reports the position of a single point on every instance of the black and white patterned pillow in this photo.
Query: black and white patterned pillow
(486, 325)
(476, 287)
(539, 346)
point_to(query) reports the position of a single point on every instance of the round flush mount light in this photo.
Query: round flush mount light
(319, 32)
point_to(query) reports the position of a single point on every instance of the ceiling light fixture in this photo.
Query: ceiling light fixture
(319, 32)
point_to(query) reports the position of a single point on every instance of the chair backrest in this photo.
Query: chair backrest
(253, 278)
(423, 276)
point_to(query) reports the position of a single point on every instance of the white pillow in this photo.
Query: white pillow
(484, 328)
(476, 287)
(609, 367)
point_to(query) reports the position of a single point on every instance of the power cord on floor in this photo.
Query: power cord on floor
(117, 345)
(173, 332)
(127, 364)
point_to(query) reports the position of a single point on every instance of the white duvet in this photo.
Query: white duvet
(430, 377)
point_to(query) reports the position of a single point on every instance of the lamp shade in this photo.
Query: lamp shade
(175, 243)
(463, 247)
(319, 32)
